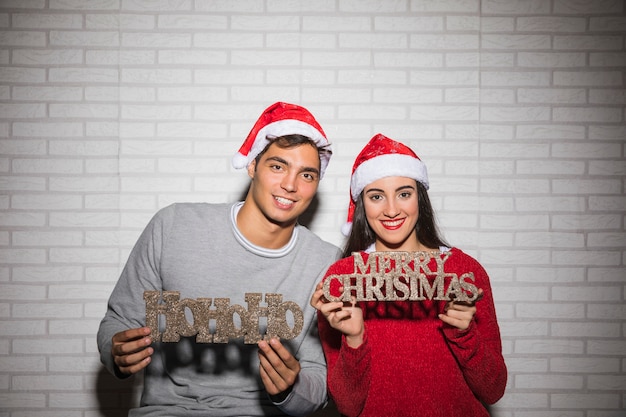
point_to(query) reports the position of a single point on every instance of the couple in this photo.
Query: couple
(426, 358)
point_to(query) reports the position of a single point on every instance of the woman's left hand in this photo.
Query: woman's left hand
(460, 315)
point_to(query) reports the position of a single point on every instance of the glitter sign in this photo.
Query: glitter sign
(177, 325)
(399, 276)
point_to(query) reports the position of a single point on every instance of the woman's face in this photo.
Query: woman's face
(391, 209)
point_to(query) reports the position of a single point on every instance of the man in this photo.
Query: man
(229, 251)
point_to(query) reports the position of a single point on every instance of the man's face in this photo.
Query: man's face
(284, 182)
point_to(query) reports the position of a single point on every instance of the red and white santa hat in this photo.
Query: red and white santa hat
(281, 119)
(382, 157)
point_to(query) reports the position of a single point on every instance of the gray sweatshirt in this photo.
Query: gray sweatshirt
(197, 250)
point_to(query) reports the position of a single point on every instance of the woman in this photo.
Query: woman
(405, 349)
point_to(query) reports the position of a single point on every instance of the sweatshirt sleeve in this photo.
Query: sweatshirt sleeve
(478, 349)
(126, 306)
(349, 369)
(309, 393)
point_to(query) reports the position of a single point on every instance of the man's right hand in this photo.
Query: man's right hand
(131, 350)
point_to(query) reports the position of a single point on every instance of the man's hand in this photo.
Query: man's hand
(131, 350)
(278, 367)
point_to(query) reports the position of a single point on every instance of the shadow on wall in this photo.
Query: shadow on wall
(117, 396)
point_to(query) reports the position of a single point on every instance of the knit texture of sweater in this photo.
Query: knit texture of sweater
(411, 363)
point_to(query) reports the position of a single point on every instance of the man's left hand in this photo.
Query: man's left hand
(278, 367)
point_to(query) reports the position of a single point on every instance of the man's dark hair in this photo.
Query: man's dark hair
(291, 141)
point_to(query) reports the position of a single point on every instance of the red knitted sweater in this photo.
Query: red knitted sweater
(411, 363)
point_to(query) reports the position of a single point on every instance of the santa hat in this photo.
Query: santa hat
(281, 119)
(382, 157)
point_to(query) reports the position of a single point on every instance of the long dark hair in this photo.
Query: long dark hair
(362, 235)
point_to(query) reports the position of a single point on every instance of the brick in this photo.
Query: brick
(46, 130)
(122, 21)
(46, 383)
(47, 21)
(586, 329)
(83, 255)
(79, 291)
(190, 21)
(550, 311)
(47, 57)
(193, 57)
(525, 400)
(585, 365)
(465, 6)
(74, 363)
(41, 238)
(120, 57)
(607, 96)
(578, 400)
(606, 382)
(87, 75)
(549, 346)
(155, 76)
(605, 275)
(590, 258)
(410, 23)
(47, 274)
(155, 40)
(587, 7)
(78, 184)
(548, 274)
(21, 400)
(607, 59)
(23, 328)
(73, 327)
(549, 382)
(578, 221)
(588, 78)
(589, 42)
(23, 38)
(159, 5)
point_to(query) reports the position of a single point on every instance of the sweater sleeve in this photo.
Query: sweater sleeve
(478, 349)
(126, 306)
(349, 369)
(309, 392)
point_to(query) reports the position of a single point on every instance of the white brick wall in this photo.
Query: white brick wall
(112, 109)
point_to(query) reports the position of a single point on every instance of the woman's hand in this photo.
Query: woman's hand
(345, 317)
(460, 314)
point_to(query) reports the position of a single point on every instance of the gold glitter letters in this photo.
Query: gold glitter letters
(177, 325)
(405, 279)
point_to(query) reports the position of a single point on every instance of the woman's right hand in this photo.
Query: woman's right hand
(345, 317)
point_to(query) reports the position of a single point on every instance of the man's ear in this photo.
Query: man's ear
(252, 168)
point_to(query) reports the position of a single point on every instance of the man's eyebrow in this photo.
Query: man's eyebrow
(311, 169)
(278, 159)
(285, 162)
